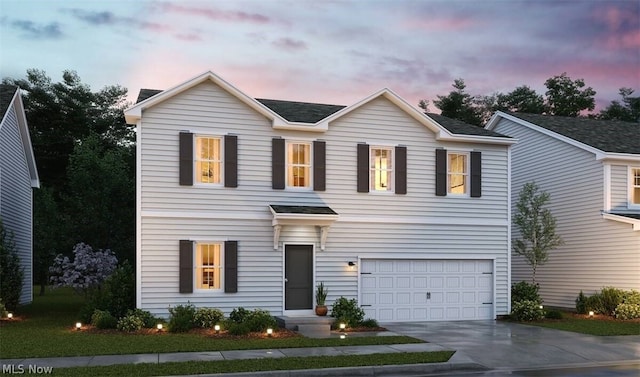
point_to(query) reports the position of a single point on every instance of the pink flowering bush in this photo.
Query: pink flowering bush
(87, 271)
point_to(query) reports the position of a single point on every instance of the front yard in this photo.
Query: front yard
(600, 325)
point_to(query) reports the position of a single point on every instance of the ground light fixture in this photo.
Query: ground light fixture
(269, 331)
(10, 315)
(78, 325)
(343, 326)
(217, 328)
(343, 336)
(159, 327)
(591, 313)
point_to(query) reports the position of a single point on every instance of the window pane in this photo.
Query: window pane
(457, 173)
(208, 266)
(298, 164)
(208, 162)
(381, 168)
(636, 186)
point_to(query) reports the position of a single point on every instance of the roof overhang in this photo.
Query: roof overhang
(635, 222)
(320, 216)
(23, 128)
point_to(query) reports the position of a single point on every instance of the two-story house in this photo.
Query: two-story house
(18, 178)
(252, 202)
(591, 169)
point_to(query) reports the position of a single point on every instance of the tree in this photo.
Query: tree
(459, 104)
(521, 100)
(566, 97)
(87, 271)
(48, 227)
(628, 110)
(11, 273)
(537, 227)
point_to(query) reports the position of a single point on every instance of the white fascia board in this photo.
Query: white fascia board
(627, 158)
(303, 219)
(321, 126)
(635, 224)
(23, 128)
(134, 113)
(479, 139)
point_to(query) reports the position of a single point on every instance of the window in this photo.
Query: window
(208, 160)
(208, 266)
(635, 187)
(457, 173)
(298, 164)
(381, 169)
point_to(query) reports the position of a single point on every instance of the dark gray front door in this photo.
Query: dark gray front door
(298, 273)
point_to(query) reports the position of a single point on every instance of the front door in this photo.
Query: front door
(298, 277)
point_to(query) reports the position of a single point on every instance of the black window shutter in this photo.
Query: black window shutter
(319, 165)
(401, 170)
(277, 163)
(186, 159)
(476, 174)
(186, 266)
(441, 172)
(363, 167)
(230, 161)
(231, 266)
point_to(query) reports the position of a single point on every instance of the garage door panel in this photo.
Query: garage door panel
(404, 290)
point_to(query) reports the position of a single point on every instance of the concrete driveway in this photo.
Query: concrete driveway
(506, 345)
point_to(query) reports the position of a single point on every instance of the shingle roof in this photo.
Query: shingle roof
(459, 127)
(147, 93)
(6, 95)
(607, 135)
(304, 112)
(307, 210)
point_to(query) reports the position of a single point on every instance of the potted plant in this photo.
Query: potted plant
(321, 296)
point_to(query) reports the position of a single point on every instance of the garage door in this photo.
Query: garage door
(426, 290)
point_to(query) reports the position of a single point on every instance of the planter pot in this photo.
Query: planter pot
(321, 310)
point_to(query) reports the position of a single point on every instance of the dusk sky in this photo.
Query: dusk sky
(335, 52)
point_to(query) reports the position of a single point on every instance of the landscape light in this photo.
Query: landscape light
(78, 325)
(159, 326)
(343, 326)
(10, 315)
(269, 331)
(541, 307)
(342, 336)
(217, 328)
(591, 313)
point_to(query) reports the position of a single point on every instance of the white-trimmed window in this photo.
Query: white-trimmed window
(634, 189)
(208, 159)
(298, 164)
(209, 265)
(381, 169)
(457, 173)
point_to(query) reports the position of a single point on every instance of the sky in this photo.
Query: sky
(335, 52)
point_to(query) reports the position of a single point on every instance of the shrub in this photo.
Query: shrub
(87, 271)
(235, 328)
(627, 311)
(182, 318)
(553, 314)
(581, 304)
(594, 302)
(370, 323)
(631, 297)
(526, 310)
(347, 311)
(102, 319)
(525, 291)
(130, 323)
(260, 320)
(117, 294)
(148, 320)
(3, 310)
(611, 298)
(239, 315)
(11, 273)
(208, 317)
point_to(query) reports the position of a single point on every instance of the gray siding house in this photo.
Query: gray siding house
(591, 169)
(253, 202)
(18, 177)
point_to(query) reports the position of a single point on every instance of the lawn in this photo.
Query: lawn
(45, 329)
(599, 325)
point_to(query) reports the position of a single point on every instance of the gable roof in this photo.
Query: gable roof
(10, 97)
(605, 138)
(459, 127)
(304, 116)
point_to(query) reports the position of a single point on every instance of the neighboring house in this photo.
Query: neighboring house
(252, 202)
(591, 169)
(18, 177)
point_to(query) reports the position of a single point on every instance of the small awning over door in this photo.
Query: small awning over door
(320, 216)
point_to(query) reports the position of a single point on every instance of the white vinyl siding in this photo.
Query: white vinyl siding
(16, 197)
(597, 252)
(417, 225)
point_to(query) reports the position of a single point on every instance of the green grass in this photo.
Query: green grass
(591, 326)
(255, 365)
(46, 330)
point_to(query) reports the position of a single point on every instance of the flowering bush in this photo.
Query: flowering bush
(627, 311)
(87, 271)
(526, 310)
(130, 323)
(208, 317)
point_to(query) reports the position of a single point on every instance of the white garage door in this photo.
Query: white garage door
(426, 290)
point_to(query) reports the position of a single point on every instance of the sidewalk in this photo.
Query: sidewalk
(457, 362)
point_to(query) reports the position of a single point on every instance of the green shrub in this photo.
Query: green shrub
(11, 272)
(3, 310)
(235, 328)
(117, 294)
(260, 320)
(370, 323)
(102, 319)
(611, 298)
(526, 310)
(631, 297)
(130, 323)
(581, 303)
(347, 311)
(239, 315)
(525, 291)
(208, 317)
(182, 318)
(594, 303)
(553, 314)
(627, 311)
(148, 320)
